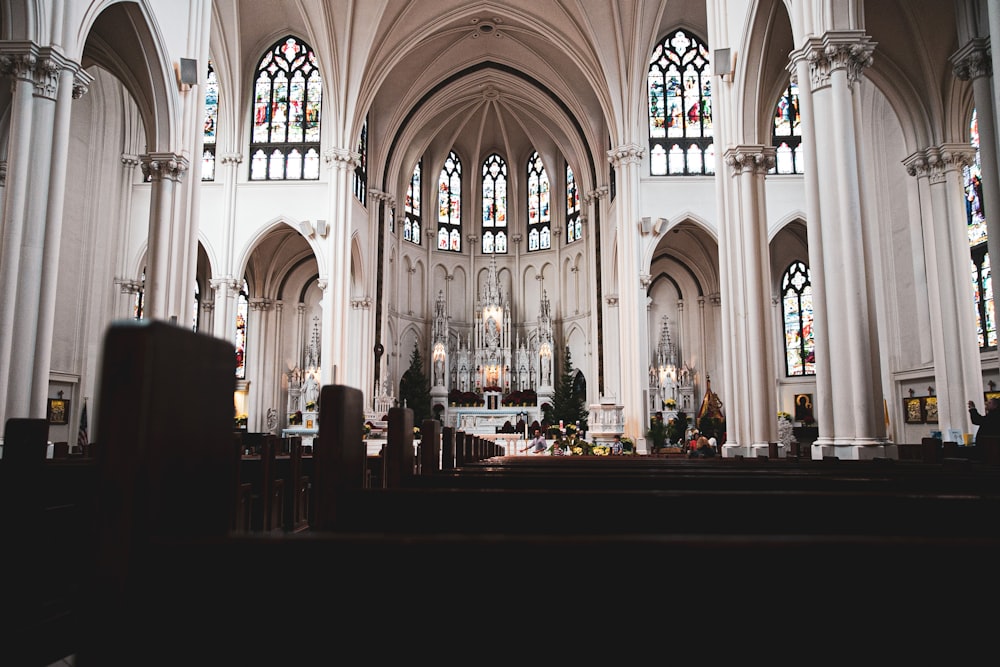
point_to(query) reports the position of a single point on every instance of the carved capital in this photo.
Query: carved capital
(342, 158)
(231, 158)
(160, 166)
(850, 50)
(595, 195)
(362, 303)
(129, 161)
(626, 154)
(128, 286)
(644, 280)
(973, 60)
(756, 159)
(611, 300)
(260, 304)
(936, 162)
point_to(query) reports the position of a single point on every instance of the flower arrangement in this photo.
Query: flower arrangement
(416, 432)
(311, 406)
(572, 444)
(295, 419)
(240, 421)
(367, 429)
(785, 416)
(628, 445)
(670, 404)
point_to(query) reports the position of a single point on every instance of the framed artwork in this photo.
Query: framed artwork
(913, 410)
(804, 408)
(930, 410)
(58, 412)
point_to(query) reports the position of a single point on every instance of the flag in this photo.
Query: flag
(82, 439)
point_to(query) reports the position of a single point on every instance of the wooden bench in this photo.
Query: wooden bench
(168, 577)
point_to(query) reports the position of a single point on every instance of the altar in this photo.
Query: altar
(307, 434)
(482, 421)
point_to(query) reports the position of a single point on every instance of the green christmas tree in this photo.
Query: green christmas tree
(568, 404)
(414, 389)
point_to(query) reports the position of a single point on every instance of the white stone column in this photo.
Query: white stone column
(599, 317)
(72, 85)
(752, 385)
(20, 66)
(957, 368)
(837, 60)
(224, 320)
(165, 253)
(823, 400)
(337, 285)
(634, 343)
(257, 365)
(972, 62)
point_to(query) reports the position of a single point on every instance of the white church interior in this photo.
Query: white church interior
(784, 202)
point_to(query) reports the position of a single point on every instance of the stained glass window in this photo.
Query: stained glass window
(797, 311)
(450, 205)
(411, 209)
(361, 170)
(574, 226)
(539, 211)
(679, 90)
(240, 338)
(786, 133)
(982, 288)
(494, 205)
(284, 143)
(211, 120)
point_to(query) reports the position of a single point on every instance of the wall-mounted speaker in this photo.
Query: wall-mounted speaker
(722, 62)
(189, 71)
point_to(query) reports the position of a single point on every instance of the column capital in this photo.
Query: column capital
(611, 300)
(259, 303)
(626, 154)
(595, 195)
(972, 61)
(130, 161)
(935, 162)
(227, 283)
(362, 303)
(128, 286)
(516, 238)
(753, 158)
(342, 158)
(644, 280)
(231, 158)
(849, 50)
(159, 166)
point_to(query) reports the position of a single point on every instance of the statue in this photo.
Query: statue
(310, 393)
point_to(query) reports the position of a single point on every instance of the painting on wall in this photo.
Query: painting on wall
(930, 410)
(913, 410)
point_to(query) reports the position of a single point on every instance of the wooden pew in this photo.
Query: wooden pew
(170, 579)
(45, 514)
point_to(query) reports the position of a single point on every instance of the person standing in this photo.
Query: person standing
(538, 444)
(989, 424)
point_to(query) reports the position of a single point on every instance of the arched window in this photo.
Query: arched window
(450, 205)
(494, 205)
(240, 338)
(574, 226)
(797, 308)
(982, 287)
(411, 210)
(679, 86)
(211, 120)
(539, 211)
(361, 170)
(286, 108)
(786, 133)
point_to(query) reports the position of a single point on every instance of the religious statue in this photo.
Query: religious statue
(310, 393)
